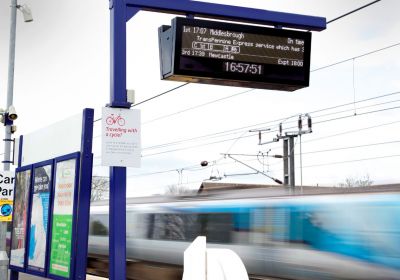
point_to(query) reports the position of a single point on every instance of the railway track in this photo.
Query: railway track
(137, 270)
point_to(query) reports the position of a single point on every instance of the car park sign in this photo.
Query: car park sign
(6, 195)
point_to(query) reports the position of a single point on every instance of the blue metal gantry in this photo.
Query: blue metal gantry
(122, 11)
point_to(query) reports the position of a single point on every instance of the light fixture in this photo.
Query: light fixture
(12, 114)
(26, 12)
(13, 128)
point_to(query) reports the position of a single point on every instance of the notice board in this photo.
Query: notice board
(19, 225)
(39, 218)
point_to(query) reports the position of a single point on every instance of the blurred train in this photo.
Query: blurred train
(339, 236)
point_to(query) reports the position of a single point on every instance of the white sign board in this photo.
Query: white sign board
(120, 137)
(7, 185)
(58, 139)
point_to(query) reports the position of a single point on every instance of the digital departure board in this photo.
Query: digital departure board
(222, 53)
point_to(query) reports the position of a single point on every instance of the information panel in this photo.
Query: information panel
(39, 218)
(63, 209)
(231, 54)
(21, 204)
(7, 179)
(120, 137)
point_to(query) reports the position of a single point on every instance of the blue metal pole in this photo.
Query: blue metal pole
(84, 191)
(118, 55)
(117, 216)
(117, 243)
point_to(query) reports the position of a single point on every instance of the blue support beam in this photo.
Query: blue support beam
(118, 99)
(227, 12)
(85, 186)
(117, 216)
(118, 55)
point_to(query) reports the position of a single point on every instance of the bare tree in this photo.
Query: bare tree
(352, 182)
(100, 188)
(178, 190)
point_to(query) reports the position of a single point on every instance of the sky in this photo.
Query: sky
(62, 66)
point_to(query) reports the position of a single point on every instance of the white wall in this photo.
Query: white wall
(58, 139)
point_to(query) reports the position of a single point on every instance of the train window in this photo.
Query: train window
(171, 226)
(99, 225)
(136, 225)
(278, 221)
(186, 227)
(216, 226)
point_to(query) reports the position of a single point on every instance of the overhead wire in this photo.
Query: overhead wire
(352, 11)
(320, 110)
(350, 161)
(330, 150)
(190, 168)
(351, 131)
(335, 19)
(159, 95)
(355, 57)
(239, 130)
(247, 90)
(328, 22)
(345, 133)
(352, 147)
(196, 107)
(231, 139)
(233, 131)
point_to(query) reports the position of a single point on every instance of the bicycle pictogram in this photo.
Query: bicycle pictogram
(112, 119)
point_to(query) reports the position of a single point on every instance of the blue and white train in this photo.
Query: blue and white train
(338, 236)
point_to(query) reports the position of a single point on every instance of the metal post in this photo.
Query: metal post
(117, 217)
(285, 163)
(291, 164)
(301, 165)
(10, 88)
(7, 138)
(85, 183)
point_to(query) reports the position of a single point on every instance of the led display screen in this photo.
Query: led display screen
(223, 53)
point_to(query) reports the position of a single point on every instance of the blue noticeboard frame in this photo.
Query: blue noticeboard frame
(81, 205)
(20, 170)
(76, 157)
(49, 214)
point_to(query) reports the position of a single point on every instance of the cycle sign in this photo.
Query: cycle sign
(121, 145)
(111, 120)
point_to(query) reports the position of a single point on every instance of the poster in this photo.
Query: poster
(63, 208)
(39, 218)
(18, 235)
(120, 136)
(6, 195)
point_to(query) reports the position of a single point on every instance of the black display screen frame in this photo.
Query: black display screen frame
(210, 70)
